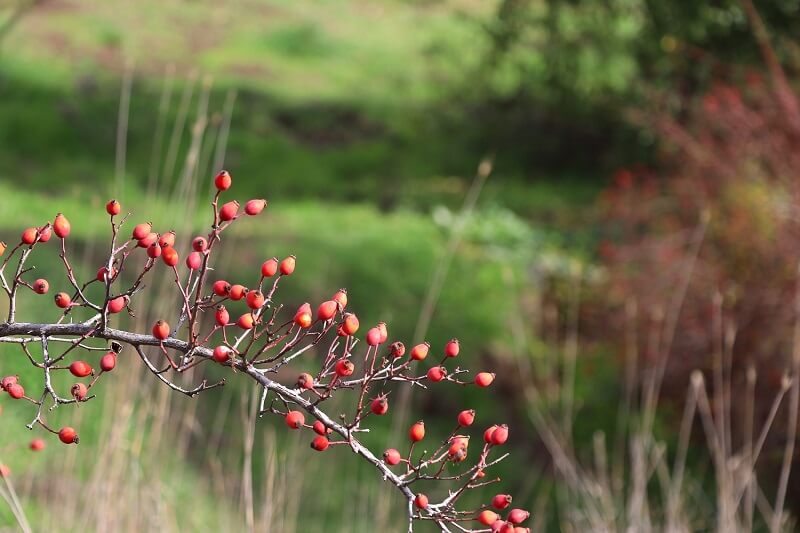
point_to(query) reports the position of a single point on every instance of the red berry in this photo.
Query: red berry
(101, 273)
(5, 471)
(303, 316)
(147, 240)
(140, 231)
(295, 419)
(194, 260)
(484, 379)
(327, 310)
(117, 304)
(487, 435)
(499, 435)
(383, 331)
(113, 207)
(305, 381)
(420, 351)
(108, 362)
(154, 251)
(41, 286)
(167, 239)
(228, 211)
(67, 435)
(8, 381)
(344, 368)
(391, 457)
(452, 348)
(341, 298)
(238, 292)
(199, 244)
(319, 428)
(45, 233)
(161, 330)
(501, 501)
(269, 267)
(62, 300)
(518, 516)
(16, 391)
(255, 300)
(466, 418)
(61, 226)
(223, 180)
(80, 369)
(246, 321)
(417, 431)
(79, 391)
(437, 374)
(221, 288)
(170, 256)
(497, 525)
(374, 337)
(350, 324)
(221, 316)
(2, 247)
(255, 206)
(320, 443)
(30, 235)
(397, 349)
(487, 517)
(287, 265)
(222, 354)
(37, 445)
(421, 501)
(380, 405)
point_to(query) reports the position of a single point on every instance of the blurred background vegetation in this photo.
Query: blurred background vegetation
(643, 160)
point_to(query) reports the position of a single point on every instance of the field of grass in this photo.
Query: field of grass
(347, 119)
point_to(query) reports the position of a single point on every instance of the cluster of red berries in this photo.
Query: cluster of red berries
(259, 329)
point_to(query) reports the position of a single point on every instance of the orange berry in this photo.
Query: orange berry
(255, 299)
(221, 288)
(421, 501)
(61, 226)
(269, 267)
(380, 405)
(223, 180)
(170, 256)
(221, 354)
(67, 435)
(161, 330)
(113, 207)
(466, 418)
(228, 211)
(246, 321)
(255, 206)
(287, 265)
(487, 517)
(305, 381)
(341, 298)
(484, 379)
(237, 292)
(350, 324)
(167, 239)
(30, 235)
(327, 310)
(62, 300)
(221, 316)
(417, 431)
(320, 443)
(420, 351)
(437, 374)
(41, 286)
(80, 369)
(391, 457)
(140, 231)
(295, 419)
